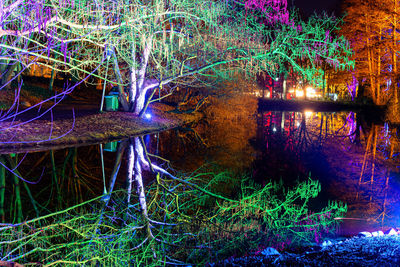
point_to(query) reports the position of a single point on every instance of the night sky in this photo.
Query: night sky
(307, 7)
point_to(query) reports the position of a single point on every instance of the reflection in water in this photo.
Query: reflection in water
(146, 214)
(357, 165)
(132, 226)
(92, 206)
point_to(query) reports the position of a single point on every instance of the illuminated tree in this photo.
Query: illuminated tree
(371, 27)
(146, 45)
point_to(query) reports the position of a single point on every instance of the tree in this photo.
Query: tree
(145, 45)
(33, 34)
(371, 28)
(150, 44)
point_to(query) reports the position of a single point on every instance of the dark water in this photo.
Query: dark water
(355, 161)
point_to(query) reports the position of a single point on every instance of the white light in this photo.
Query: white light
(274, 129)
(308, 113)
(147, 116)
(310, 92)
(297, 124)
(276, 79)
(299, 93)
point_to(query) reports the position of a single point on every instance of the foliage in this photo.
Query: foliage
(271, 215)
(372, 29)
(191, 222)
(145, 45)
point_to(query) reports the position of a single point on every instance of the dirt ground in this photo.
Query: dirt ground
(69, 126)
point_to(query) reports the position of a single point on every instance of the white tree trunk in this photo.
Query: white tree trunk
(138, 177)
(131, 164)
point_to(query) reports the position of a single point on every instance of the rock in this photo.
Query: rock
(391, 232)
(364, 234)
(270, 252)
(377, 233)
(327, 243)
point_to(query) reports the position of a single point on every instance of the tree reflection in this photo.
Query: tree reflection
(356, 160)
(159, 217)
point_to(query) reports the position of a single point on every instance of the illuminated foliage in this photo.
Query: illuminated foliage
(372, 29)
(185, 226)
(145, 45)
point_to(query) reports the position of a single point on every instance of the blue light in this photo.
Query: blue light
(147, 116)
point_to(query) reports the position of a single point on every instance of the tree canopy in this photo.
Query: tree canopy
(145, 45)
(372, 29)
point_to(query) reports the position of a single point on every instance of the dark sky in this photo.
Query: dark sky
(309, 6)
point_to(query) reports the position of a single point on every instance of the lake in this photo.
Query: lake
(355, 161)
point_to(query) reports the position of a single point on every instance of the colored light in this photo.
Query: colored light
(299, 93)
(308, 113)
(147, 116)
(310, 92)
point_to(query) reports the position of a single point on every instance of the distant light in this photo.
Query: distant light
(310, 92)
(297, 124)
(308, 113)
(299, 93)
(147, 116)
(274, 129)
(276, 79)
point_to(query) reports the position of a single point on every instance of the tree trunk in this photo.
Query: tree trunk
(378, 73)
(131, 164)
(138, 178)
(18, 202)
(394, 51)
(7, 75)
(370, 60)
(2, 190)
(117, 73)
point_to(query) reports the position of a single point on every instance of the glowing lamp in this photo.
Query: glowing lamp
(147, 116)
(299, 93)
(274, 129)
(308, 113)
(310, 92)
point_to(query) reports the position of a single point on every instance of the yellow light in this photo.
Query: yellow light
(310, 92)
(308, 113)
(299, 93)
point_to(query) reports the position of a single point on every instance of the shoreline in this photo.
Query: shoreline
(87, 127)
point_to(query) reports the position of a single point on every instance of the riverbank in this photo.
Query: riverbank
(356, 251)
(67, 127)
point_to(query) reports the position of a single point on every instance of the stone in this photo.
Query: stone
(327, 243)
(377, 233)
(364, 234)
(391, 232)
(270, 252)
